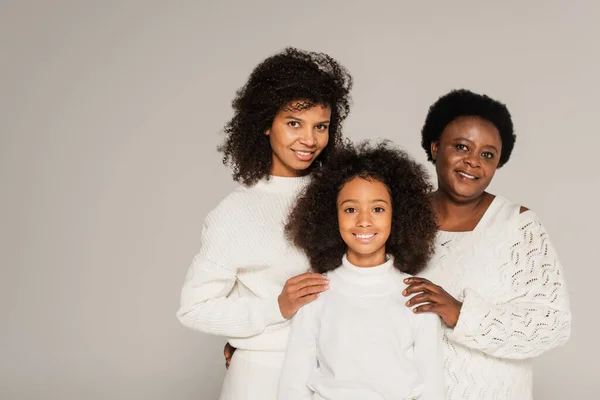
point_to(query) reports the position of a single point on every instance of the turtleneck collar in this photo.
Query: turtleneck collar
(366, 281)
(283, 184)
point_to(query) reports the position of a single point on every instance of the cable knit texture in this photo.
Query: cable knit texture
(359, 341)
(515, 305)
(232, 286)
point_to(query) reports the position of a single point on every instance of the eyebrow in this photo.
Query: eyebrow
(356, 201)
(301, 120)
(491, 146)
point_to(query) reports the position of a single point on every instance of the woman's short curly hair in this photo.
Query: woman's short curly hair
(312, 78)
(313, 223)
(459, 103)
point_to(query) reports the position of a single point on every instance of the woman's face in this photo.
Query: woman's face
(365, 220)
(466, 157)
(297, 138)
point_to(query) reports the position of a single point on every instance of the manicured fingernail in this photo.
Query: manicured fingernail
(408, 303)
(414, 310)
(404, 292)
(406, 280)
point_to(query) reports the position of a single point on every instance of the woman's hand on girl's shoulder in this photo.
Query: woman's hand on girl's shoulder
(432, 298)
(300, 290)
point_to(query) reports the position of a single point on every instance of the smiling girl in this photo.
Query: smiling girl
(365, 221)
(247, 280)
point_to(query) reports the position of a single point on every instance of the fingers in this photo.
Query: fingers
(429, 307)
(416, 285)
(312, 281)
(427, 287)
(308, 299)
(305, 276)
(423, 298)
(228, 350)
(415, 279)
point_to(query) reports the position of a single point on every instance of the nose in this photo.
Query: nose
(364, 220)
(308, 138)
(472, 160)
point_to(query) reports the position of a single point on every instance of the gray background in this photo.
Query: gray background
(110, 113)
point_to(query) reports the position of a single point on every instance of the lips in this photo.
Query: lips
(467, 176)
(304, 155)
(365, 237)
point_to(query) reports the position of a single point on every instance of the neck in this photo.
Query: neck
(451, 212)
(366, 260)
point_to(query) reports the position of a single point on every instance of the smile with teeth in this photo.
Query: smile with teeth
(364, 237)
(465, 175)
(303, 153)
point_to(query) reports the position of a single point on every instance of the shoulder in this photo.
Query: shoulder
(507, 211)
(427, 321)
(233, 205)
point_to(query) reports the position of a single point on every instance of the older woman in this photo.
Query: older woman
(495, 279)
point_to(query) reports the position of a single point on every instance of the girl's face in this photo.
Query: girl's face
(365, 220)
(466, 157)
(297, 138)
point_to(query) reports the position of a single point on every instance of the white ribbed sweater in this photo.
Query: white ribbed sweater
(232, 286)
(515, 303)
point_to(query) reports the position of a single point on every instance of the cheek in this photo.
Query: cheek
(345, 222)
(387, 225)
(280, 136)
(322, 140)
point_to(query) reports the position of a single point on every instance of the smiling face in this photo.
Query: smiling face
(466, 158)
(297, 138)
(365, 220)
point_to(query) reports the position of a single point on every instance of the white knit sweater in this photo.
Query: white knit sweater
(515, 303)
(359, 341)
(232, 286)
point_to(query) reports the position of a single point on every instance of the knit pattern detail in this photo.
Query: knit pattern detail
(515, 307)
(244, 260)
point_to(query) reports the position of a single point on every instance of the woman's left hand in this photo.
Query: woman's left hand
(436, 298)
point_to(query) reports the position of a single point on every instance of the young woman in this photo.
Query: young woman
(495, 279)
(247, 280)
(366, 222)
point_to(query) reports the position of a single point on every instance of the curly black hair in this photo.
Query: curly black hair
(463, 102)
(313, 225)
(293, 74)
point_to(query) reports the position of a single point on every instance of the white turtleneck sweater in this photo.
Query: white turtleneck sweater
(232, 286)
(359, 341)
(515, 304)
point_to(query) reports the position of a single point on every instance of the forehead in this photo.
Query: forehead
(304, 109)
(475, 129)
(363, 189)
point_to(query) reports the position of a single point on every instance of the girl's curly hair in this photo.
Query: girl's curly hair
(313, 223)
(313, 78)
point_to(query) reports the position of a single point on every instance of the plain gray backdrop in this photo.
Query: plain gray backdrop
(110, 114)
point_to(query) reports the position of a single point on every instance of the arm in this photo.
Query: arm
(534, 317)
(301, 356)
(204, 302)
(429, 356)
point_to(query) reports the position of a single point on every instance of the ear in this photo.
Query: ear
(434, 150)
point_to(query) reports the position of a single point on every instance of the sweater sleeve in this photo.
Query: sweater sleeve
(429, 352)
(205, 305)
(533, 316)
(301, 356)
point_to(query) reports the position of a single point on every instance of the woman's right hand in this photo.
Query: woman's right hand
(300, 290)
